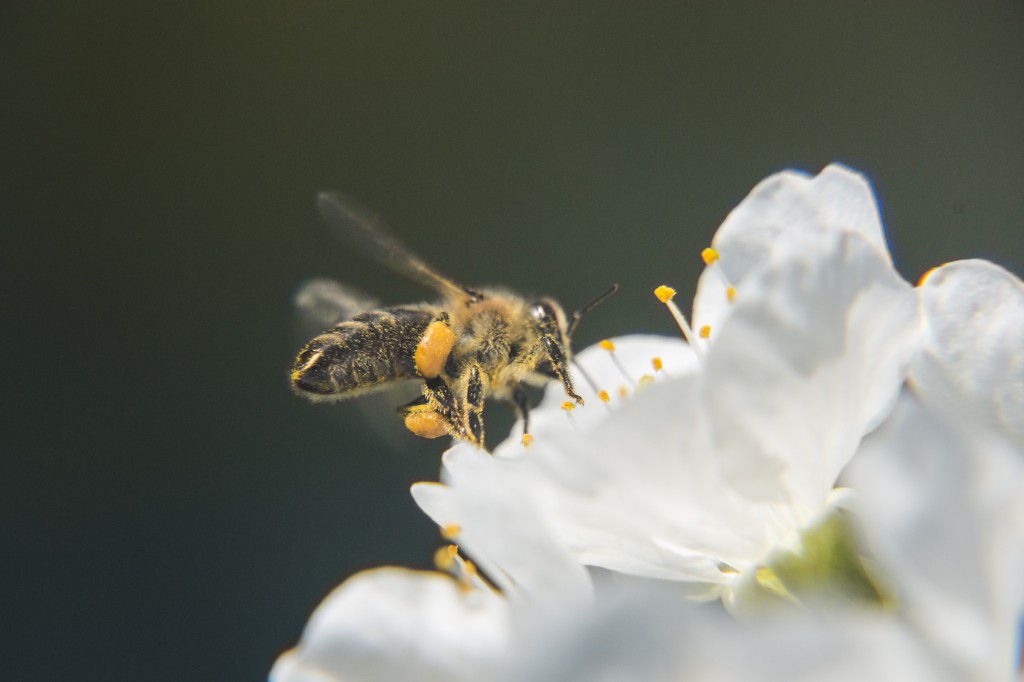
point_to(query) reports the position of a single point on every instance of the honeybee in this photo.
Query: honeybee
(474, 344)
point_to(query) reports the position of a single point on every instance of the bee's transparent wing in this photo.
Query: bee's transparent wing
(365, 230)
(322, 303)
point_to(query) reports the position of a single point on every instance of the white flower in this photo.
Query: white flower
(396, 624)
(973, 317)
(699, 476)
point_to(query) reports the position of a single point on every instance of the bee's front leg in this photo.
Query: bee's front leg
(559, 364)
(475, 391)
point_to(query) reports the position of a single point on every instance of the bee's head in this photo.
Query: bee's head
(552, 322)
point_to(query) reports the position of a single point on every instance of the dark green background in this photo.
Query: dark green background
(169, 510)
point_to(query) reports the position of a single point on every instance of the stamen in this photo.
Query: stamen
(569, 407)
(705, 331)
(603, 395)
(443, 559)
(451, 531)
(657, 364)
(623, 392)
(927, 274)
(665, 295)
(711, 259)
(610, 347)
(645, 380)
(527, 439)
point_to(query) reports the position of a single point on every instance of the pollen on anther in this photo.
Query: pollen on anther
(657, 364)
(705, 331)
(709, 255)
(664, 293)
(443, 560)
(607, 345)
(603, 395)
(623, 391)
(453, 551)
(469, 567)
(451, 531)
(645, 380)
(927, 274)
(568, 406)
(730, 294)
(527, 439)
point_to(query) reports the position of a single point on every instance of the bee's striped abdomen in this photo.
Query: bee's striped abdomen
(361, 354)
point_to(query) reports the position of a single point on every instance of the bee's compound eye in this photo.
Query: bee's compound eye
(426, 424)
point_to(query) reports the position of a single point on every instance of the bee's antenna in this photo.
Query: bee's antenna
(590, 306)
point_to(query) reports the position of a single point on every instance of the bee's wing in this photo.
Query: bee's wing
(322, 303)
(367, 232)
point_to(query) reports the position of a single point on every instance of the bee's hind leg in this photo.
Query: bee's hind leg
(435, 413)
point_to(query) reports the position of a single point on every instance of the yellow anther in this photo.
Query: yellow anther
(623, 391)
(645, 380)
(709, 255)
(453, 551)
(443, 560)
(656, 364)
(451, 531)
(705, 331)
(469, 567)
(568, 406)
(926, 275)
(730, 294)
(664, 293)
(607, 345)
(527, 439)
(603, 395)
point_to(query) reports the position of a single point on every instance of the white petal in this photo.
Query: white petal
(811, 360)
(396, 624)
(596, 369)
(974, 352)
(503, 534)
(776, 212)
(943, 502)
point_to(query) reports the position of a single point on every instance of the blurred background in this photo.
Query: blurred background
(170, 510)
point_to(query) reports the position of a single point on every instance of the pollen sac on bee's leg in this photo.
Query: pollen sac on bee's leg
(424, 422)
(434, 347)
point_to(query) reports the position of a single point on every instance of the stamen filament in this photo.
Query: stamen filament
(665, 295)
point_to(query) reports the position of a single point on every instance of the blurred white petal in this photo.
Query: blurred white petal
(395, 624)
(943, 502)
(973, 315)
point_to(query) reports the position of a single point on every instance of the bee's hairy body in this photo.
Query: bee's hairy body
(476, 343)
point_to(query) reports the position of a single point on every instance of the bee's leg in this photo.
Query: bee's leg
(523, 408)
(422, 419)
(434, 347)
(475, 391)
(442, 401)
(553, 349)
